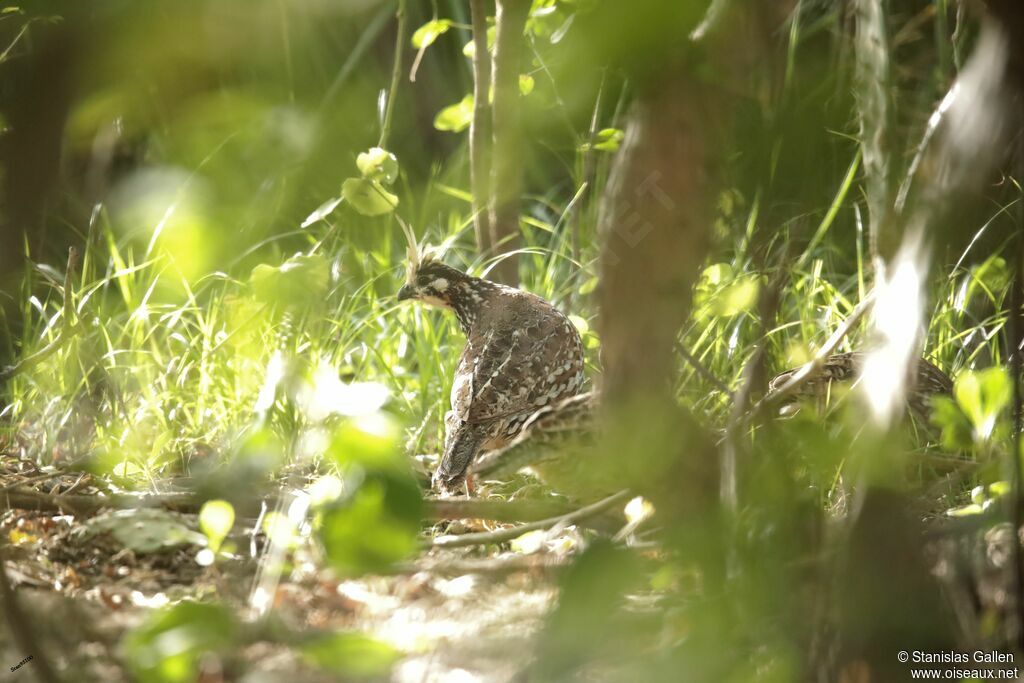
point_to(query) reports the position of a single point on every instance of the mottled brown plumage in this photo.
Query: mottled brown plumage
(521, 355)
(845, 367)
(568, 424)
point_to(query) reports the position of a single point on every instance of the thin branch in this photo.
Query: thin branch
(502, 564)
(752, 381)
(396, 75)
(809, 369)
(480, 129)
(510, 533)
(876, 112)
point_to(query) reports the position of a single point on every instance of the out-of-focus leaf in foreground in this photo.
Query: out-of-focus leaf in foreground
(299, 280)
(376, 521)
(351, 655)
(167, 648)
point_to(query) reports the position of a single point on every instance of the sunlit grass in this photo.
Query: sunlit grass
(165, 367)
(163, 370)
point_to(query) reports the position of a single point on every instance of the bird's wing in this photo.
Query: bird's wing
(516, 369)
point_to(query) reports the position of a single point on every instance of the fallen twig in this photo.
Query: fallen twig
(509, 533)
(502, 564)
(79, 504)
(497, 510)
(30, 480)
(434, 508)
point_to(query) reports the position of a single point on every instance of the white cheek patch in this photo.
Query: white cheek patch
(434, 301)
(440, 284)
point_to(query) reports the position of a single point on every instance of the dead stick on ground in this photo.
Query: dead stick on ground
(434, 508)
(29, 480)
(507, 534)
(502, 564)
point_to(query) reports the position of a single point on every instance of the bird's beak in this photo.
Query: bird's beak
(406, 292)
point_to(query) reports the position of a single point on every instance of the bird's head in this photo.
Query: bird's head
(432, 282)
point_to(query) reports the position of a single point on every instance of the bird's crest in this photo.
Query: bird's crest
(415, 254)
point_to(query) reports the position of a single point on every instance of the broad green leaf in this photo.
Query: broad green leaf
(299, 280)
(167, 647)
(988, 279)
(376, 521)
(956, 430)
(368, 197)
(378, 164)
(983, 395)
(370, 440)
(215, 520)
(455, 118)
(425, 35)
(739, 296)
(375, 525)
(144, 530)
(351, 655)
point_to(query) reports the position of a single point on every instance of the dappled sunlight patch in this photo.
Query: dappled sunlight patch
(897, 325)
(325, 395)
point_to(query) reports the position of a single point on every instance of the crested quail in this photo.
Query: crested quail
(844, 367)
(521, 355)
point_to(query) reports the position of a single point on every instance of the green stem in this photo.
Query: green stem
(396, 75)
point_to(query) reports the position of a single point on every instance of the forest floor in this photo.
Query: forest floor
(84, 580)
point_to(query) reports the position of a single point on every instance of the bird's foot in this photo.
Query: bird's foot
(452, 485)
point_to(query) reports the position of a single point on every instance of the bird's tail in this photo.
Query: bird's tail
(463, 443)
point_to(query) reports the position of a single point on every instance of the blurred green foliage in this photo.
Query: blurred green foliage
(226, 185)
(168, 647)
